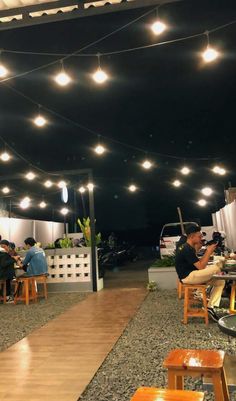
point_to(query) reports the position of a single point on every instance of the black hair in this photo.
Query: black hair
(191, 229)
(30, 241)
(4, 242)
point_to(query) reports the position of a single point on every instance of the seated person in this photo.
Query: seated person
(35, 261)
(7, 271)
(192, 270)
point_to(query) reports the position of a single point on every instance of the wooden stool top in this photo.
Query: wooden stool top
(194, 359)
(195, 285)
(156, 394)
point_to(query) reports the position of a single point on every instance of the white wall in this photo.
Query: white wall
(225, 220)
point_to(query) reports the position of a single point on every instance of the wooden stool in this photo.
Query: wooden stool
(25, 290)
(42, 279)
(3, 287)
(209, 363)
(189, 302)
(232, 298)
(154, 394)
(180, 289)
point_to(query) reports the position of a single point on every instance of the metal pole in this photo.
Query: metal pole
(10, 208)
(93, 237)
(181, 220)
(75, 210)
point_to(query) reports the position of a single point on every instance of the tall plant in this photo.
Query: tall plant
(86, 230)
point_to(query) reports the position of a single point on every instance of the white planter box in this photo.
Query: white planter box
(165, 277)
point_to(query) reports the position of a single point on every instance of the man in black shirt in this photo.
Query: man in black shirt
(192, 270)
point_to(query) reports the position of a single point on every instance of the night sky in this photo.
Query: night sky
(162, 102)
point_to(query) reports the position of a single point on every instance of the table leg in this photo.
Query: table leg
(232, 299)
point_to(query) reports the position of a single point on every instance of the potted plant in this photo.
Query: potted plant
(163, 273)
(86, 230)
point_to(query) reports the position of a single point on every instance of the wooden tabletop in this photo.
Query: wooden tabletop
(194, 359)
(156, 394)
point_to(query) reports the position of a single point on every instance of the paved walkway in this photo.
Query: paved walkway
(57, 361)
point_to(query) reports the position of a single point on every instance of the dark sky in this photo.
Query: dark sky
(162, 100)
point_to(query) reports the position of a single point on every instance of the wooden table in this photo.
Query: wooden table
(229, 277)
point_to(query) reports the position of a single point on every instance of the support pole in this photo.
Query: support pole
(181, 220)
(93, 236)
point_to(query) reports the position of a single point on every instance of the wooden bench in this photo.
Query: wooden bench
(188, 362)
(190, 309)
(3, 287)
(158, 394)
(25, 290)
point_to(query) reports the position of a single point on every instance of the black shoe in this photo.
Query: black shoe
(212, 314)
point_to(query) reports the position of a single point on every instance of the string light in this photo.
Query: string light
(99, 75)
(61, 184)
(185, 170)
(210, 54)
(207, 191)
(30, 176)
(5, 157)
(147, 164)
(48, 184)
(82, 190)
(177, 183)
(90, 186)
(99, 149)
(202, 202)
(62, 78)
(222, 171)
(64, 211)
(42, 205)
(40, 121)
(158, 27)
(132, 188)
(25, 203)
(219, 170)
(3, 71)
(5, 190)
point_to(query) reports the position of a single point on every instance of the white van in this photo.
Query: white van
(170, 235)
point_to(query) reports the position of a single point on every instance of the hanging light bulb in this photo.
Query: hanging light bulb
(99, 149)
(202, 202)
(61, 184)
(209, 54)
(62, 78)
(40, 121)
(30, 176)
(3, 71)
(99, 75)
(216, 169)
(147, 164)
(177, 183)
(42, 205)
(5, 156)
(207, 191)
(185, 170)
(222, 171)
(82, 190)
(64, 211)
(48, 184)
(158, 27)
(25, 203)
(90, 186)
(132, 188)
(5, 190)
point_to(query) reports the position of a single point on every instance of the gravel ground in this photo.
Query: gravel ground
(17, 321)
(136, 360)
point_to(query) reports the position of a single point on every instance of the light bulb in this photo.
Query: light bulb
(30, 176)
(210, 55)
(99, 149)
(222, 171)
(62, 79)
(147, 164)
(5, 157)
(61, 184)
(64, 211)
(216, 169)
(132, 188)
(207, 191)
(42, 205)
(25, 203)
(82, 190)
(158, 27)
(202, 202)
(48, 184)
(176, 183)
(185, 170)
(3, 71)
(90, 186)
(40, 121)
(100, 76)
(5, 190)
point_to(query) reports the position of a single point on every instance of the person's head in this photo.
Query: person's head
(29, 242)
(12, 245)
(4, 244)
(194, 235)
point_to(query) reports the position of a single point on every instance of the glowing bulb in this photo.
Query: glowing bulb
(82, 190)
(5, 190)
(176, 183)
(62, 79)
(64, 211)
(5, 157)
(185, 170)
(100, 76)
(210, 55)
(3, 71)
(42, 205)
(48, 184)
(30, 176)
(40, 121)
(25, 203)
(202, 202)
(61, 184)
(90, 186)
(158, 27)
(207, 191)
(222, 171)
(99, 149)
(147, 164)
(219, 170)
(132, 188)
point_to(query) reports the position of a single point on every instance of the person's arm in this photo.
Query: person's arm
(28, 258)
(201, 264)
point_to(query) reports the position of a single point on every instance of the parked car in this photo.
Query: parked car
(170, 235)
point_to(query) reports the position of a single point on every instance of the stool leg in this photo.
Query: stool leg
(232, 299)
(186, 295)
(5, 292)
(26, 291)
(204, 301)
(218, 387)
(45, 290)
(224, 385)
(171, 380)
(179, 382)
